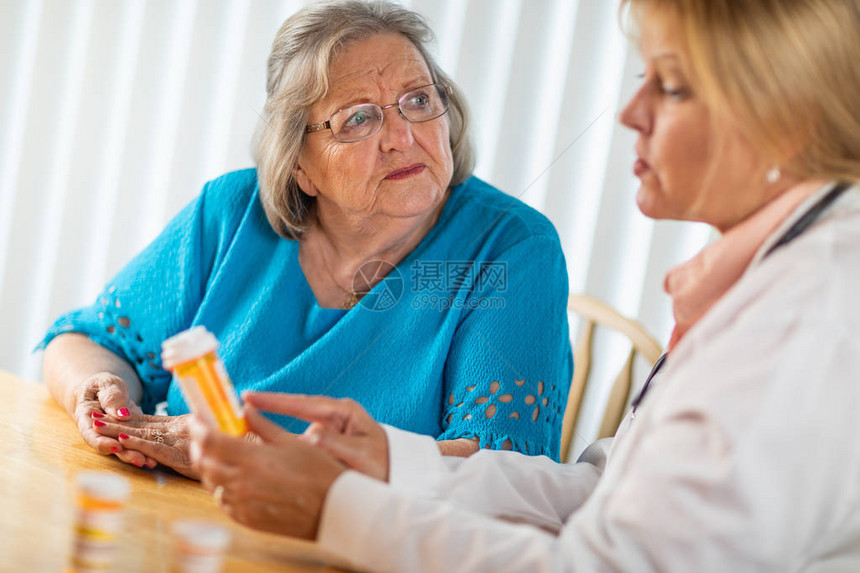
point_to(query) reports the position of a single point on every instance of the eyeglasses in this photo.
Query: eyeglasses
(361, 121)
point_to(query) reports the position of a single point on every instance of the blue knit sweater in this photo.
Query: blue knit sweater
(466, 337)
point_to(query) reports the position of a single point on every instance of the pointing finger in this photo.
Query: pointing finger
(330, 411)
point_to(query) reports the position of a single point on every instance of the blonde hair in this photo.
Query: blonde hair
(297, 78)
(784, 71)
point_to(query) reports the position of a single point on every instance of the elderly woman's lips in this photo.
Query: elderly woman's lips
(640, 167)
(406, 171)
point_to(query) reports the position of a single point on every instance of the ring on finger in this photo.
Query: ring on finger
(218, 494)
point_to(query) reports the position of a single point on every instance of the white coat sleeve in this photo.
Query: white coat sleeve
(529, 489)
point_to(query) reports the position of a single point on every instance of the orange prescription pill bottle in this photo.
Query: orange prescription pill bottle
(191, 356)
(101, 498)
(198, 547)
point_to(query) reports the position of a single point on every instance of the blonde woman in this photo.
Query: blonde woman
(358, 259)
(742, 454)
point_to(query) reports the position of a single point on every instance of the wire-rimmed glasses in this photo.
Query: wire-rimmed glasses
(364, 120)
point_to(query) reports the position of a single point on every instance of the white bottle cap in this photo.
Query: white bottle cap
(104, 486)
(187, 345)
(201, 535)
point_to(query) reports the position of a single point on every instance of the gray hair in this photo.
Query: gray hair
(298, 77)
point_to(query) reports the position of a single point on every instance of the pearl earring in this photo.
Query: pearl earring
(773, 174)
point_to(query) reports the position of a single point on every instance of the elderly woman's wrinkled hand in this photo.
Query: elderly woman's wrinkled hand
(160, 439)
(277, 483)
(341, 427)
(102, 399)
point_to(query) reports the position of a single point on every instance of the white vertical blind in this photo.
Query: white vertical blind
(113, 115)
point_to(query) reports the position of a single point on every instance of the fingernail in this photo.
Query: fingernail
(98, 415)
(114, 450)
(98, 423)
(123, 437)
(123, 412)
(138, 464)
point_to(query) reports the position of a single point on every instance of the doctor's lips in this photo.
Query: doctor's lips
(640, 167)
(406, 172)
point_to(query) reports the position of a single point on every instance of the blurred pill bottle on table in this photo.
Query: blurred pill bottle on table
(198, 547)
(100, 501)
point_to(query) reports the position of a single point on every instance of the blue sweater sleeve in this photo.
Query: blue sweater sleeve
(158, 293)
(510, 364)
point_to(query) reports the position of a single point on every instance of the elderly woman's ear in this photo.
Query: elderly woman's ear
(304, 182)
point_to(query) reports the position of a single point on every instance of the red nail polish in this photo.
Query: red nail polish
(114, 450)
(138, 464)
(98, 423)
(123, 437)
(123, 412)
(98, 415)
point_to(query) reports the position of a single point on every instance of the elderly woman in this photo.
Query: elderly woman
(385, 273)
(740, 454)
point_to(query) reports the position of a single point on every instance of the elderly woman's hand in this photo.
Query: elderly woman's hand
(277, 483)
(162, 439)
(341, 427)
(101, 399)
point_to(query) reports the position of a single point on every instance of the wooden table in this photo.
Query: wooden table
(40, 453)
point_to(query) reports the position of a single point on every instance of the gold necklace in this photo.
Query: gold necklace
(352, 296)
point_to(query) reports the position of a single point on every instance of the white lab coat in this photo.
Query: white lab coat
(745, 455)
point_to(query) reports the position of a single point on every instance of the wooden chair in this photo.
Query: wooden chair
(593, 312)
